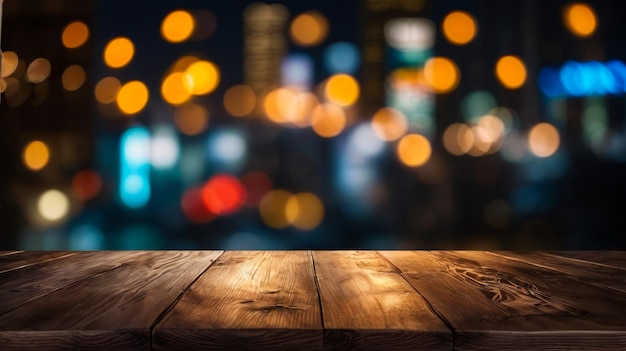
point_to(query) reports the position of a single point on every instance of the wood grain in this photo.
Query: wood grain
(493, 304)
(247, 300)
(3, 253)
(24, 259)
(368, 305)
(114, 309)
(613, 259)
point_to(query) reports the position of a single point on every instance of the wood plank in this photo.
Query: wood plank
(613, 259)
(2, 253)
(20, 286)
(253, 300)
(25, 259)
(495, 303)
(114, 309)
(368, 305)
(602, 276)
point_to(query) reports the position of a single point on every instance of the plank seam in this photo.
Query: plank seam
(430, 306)
(584, 261)
(319, 296)
(177, 299)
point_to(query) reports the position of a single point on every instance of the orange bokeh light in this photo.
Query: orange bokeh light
(86, 184)
(193, 206)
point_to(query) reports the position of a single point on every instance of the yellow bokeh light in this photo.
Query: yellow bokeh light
(414, 150)
(459, 27)
(511, 71)
(442, 74)
(177, 26)
(342, 90)
(191, 119)
(118, 52)
(276, 104)
(36, 155)
(492, 126)
(132, 97)
(73, 77)
(107, 89)
(580, 19)
(38, 70)
(201, 77)
(9, 63)
(389, 124)
(458, 139)
(75, 34)
(183, 62)
(173, 89)
(304, 211)
(309, 28)
(53, 205)
(328, 120)
(543, 140)
(273, 208)
(482, 143)
(239, 100)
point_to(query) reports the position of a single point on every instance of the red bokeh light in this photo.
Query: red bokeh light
(223, 194)
(193, 207)
(86, 184)
(257, 184)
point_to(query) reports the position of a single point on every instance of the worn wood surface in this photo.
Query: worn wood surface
(319, 300)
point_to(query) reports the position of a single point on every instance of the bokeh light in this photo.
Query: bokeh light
(164, 147)
(119, 52)
(304, 211)
(53, 205)
(38, 70)
(9, 63)
(543, 140)
(458, 139)
(173, 89)
(342, 57)
(257, 184)
(205, 24)
(476, 104)
(239, 100)
(511, 71)
(273, 208)
(328, 120)
(223, 194)
(75, 34)
(201, 77)
(414, 150)
(342, 90)
(177, 26)
(389, 124)
(132, 97)
(459, 27)
(442, 74)
(309, 28)
(193, 206)
(73, 77)
(107, 89)
(580, 19)
(227, 147)
(86, 184)
(191, 118)
(36, 155)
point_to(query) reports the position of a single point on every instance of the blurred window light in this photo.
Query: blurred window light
(342, 57)
(414, 150)
(193, 206)
(580, 19)
(223, 194)
(73, 77)
(297, 70)
(410, 33)
(342, 90)
(511, 71)
(177, 26)
(363, 141)
(442, 74)
(459, 27)
(272, 209)
(201, 77)
(164, 148)
(38, 70)
(240, 100)
(543, 140)
(36, 155)
(86, 237)
(75, 34)
(304, 211)
(227, 146)
(86, 184)
(328, 120)
(309, 28)
(132, 97)
(476, 104)
(9, 63)
(53, 205)
(107, 89)
(119, 52)
(389, 124)
(135, 167)
(257, 184)
(173, 89)
(191, 119)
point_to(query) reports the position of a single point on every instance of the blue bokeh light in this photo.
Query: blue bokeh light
(342, 57)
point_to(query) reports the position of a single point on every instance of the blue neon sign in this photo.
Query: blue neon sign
(576, 79)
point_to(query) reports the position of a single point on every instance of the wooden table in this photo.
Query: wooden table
(312, 300)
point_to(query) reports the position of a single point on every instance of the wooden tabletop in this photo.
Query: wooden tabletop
(312, 300)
